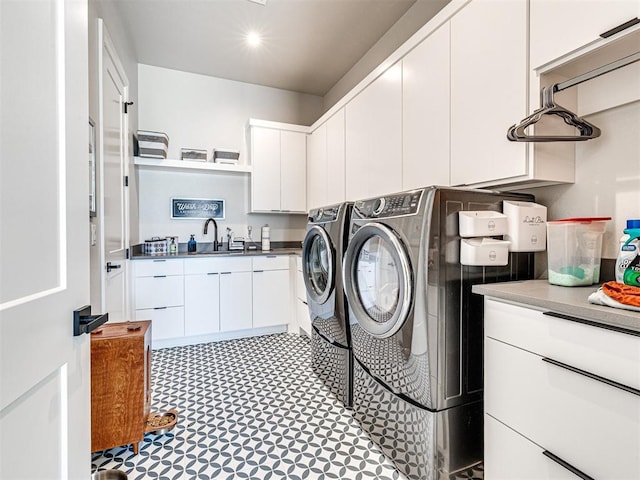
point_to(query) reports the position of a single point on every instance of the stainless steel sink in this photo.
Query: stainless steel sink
(219, 252)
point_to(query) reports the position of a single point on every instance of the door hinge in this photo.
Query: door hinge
(126, 180)
(126, 253)
(126, 106)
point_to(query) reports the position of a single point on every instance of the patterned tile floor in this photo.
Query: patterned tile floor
(250, 408)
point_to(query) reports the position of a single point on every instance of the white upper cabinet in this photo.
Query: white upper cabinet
(559, 27)
(293, 171)
(336, 158)
(317, 168)
(278, 182)
(374, 138)
(425, 112)
(488, 91)
(326, 163)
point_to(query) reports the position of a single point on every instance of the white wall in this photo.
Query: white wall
(198, 111)
(607, 168)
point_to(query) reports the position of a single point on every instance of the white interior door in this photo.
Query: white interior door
(113, 148)
(44, 239)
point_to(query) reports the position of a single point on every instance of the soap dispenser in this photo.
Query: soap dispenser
(192, 245)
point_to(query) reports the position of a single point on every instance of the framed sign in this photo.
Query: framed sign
(197, 208)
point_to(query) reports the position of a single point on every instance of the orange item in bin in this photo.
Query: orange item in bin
(622, 293)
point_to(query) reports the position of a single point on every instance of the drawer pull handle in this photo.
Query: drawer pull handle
(566, 465)
(212, 273)
(258, 271)
(619, 28)
(225, 273)
(159, 260)
(271, 256)
(591, 323)
(593, 376)
(159, 308)
(159, 276)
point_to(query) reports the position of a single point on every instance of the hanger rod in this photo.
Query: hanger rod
(610, 67)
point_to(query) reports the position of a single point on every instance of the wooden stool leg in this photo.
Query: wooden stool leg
(136, 448)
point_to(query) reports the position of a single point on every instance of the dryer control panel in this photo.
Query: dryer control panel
(390, 206)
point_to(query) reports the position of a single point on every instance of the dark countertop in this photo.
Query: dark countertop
(571, 301)
(277, 248)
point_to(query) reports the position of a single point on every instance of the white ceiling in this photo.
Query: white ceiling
(308, 45)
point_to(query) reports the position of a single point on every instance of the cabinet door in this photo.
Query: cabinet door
(425, 111)
(270, 298)
(335, 158)
(374, 138)
(165, 322)
(317, 168)
(265, 177)
(488, 90)
(235, 301)
(559, 27)
(303, 317)
(201, 304)
(293, 171)
(509, 456)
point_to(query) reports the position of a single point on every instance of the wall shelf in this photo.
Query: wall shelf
(188, 165)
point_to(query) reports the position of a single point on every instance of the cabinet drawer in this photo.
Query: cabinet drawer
(152, 292)
(604, 352)
(271, 262)
(197, 266)
(149, 268)
(590, 424)
(510, 456)
(234, 264)
(165, 322)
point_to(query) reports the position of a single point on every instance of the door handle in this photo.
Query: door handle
(112, 266)
(84, 322)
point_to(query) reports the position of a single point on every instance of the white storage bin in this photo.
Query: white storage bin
(526, 226)
(483, 223)
(484, 252)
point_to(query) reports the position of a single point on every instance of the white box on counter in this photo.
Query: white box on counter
(527, 226)
(481, 223)
(484, 252)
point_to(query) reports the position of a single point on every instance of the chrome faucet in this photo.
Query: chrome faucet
(215, 232)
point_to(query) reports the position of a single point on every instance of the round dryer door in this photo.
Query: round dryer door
(377, 280)
(318, 264)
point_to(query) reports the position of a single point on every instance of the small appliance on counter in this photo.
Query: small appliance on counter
(266, 238)
(236, 243)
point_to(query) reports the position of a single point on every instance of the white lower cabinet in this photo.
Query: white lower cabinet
(196, 297)
(166, 322)
(271, 291)
(303, 318)
(202, 303)
(554, 387)
(236, 301)
(159, 296)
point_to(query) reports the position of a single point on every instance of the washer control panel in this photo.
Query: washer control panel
(324, 215)
(391, 205)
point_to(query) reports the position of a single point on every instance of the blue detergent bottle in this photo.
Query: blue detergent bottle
(628, 261)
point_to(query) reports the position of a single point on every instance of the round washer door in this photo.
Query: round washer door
(377, 280)
(318, 264)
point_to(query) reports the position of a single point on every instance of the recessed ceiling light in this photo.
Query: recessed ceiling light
(254, 39)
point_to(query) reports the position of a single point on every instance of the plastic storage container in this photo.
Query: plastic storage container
(527, 226)
(574, 249)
